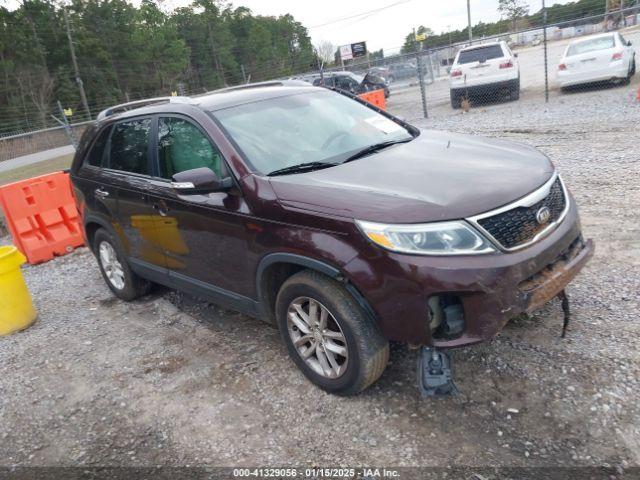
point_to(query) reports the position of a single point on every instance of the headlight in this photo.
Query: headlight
(442, 238)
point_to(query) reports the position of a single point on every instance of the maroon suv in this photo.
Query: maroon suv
(338, 222)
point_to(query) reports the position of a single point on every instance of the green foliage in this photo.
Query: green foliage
(129, 52)
(513, 9)
(410, 44)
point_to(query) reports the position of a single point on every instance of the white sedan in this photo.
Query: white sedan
(604, 57)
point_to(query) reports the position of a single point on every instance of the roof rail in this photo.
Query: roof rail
(123, 107)
(269, 83)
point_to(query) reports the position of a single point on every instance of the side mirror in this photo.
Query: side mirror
(199, 180)
(629, 43)
(515, 55)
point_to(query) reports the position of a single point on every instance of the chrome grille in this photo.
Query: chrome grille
(519, 226)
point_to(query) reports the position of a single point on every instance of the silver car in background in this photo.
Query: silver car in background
(599, 58)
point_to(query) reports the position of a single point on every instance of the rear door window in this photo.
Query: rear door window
(480, 54)
(97, 155)
(593, 45)
(183, 146)
(130, 146)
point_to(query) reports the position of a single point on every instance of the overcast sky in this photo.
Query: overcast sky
(385, 28)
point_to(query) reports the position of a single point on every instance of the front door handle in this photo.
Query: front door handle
(101, 193)
(161, 208)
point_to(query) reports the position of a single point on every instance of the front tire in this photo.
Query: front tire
(116, 272)
(328, 335)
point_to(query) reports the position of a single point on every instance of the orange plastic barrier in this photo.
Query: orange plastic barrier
(42, 216)
(375, 97)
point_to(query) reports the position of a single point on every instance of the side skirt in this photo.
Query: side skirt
(195, 287)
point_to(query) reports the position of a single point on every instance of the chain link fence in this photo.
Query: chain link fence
(537, 65)
(528, 64)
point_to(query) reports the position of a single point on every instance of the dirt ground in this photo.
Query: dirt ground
(170, 380)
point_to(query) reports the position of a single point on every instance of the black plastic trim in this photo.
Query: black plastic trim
(312, 264)
(205, 290)
(104, 223)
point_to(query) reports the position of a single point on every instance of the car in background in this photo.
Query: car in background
(353, 83)
(599, 58)
(402, 71)
(380, 71)
(309, 78)
(486, 69)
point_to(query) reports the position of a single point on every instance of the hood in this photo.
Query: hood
(436, 176)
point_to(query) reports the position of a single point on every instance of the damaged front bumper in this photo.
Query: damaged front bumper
(487, 313)
(490, 289)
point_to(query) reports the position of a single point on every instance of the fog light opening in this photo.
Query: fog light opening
(446, 316)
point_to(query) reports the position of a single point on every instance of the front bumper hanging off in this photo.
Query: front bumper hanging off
(435, 367)
(435, 375)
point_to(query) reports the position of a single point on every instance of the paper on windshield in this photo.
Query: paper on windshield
(383, 124)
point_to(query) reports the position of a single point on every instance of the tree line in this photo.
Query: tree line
(127, 52)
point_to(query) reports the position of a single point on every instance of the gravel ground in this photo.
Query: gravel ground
(171, 380)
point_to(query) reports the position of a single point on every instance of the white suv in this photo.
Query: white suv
(484, 69)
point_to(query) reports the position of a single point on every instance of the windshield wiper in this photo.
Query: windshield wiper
(302, 167)
(374, 148)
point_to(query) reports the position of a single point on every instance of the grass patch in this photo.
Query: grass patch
(35, 169)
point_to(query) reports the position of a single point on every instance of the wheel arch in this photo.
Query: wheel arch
(92, 223)
(275, 268)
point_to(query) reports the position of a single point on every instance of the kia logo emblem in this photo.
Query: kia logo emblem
(543, 215)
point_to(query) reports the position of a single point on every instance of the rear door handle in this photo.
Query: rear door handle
(101, 193)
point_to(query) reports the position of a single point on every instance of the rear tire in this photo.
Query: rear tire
(456, 101)
(117, 274)
(514, 93)
(342, 354)
(633, 68)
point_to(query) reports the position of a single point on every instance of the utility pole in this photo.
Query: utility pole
(546, 63)
(450, 56)
(423, 94)
(83, 95)
(469, 19)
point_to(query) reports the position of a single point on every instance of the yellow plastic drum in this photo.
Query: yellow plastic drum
(16, 308)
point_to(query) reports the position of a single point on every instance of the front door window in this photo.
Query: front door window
(182, 146)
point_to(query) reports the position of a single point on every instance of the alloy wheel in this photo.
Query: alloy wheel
(111, 265)
(317, 337)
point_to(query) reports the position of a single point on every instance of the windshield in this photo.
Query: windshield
(602, 43)
(319, 126)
